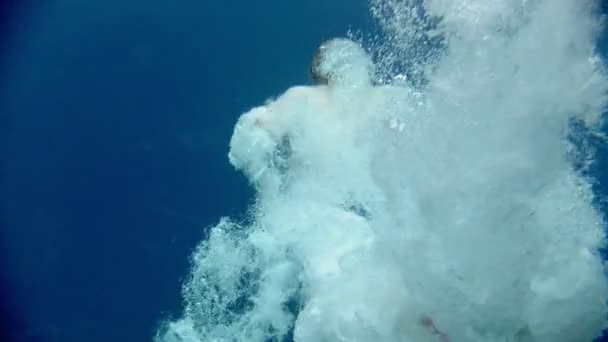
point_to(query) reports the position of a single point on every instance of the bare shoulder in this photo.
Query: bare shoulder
(302, 91)
(300, 94)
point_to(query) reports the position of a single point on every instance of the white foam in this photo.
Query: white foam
(449, 211)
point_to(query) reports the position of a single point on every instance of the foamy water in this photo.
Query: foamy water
(440, 206)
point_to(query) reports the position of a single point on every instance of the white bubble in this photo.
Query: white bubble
(442, 207)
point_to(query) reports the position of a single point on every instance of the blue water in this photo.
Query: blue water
(115, 117)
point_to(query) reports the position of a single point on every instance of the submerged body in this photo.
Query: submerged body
(444, 212)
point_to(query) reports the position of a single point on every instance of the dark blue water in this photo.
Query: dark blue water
(115, 117)
(115, 120)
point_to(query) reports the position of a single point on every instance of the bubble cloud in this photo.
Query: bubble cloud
(435, 201)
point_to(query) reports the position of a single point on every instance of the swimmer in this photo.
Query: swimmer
(341, 75)
(342, 89)
(338, 67)
(337, 63)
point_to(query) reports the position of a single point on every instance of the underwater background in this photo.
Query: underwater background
(115, 118)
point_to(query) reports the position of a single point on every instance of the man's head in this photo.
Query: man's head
(340, 61)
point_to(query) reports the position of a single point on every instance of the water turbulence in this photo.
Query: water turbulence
(436, 201)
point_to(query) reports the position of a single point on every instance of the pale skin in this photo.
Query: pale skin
(273, 118)
(275, 114)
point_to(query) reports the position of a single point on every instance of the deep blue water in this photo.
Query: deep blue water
(115, 120)
(115, 117)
